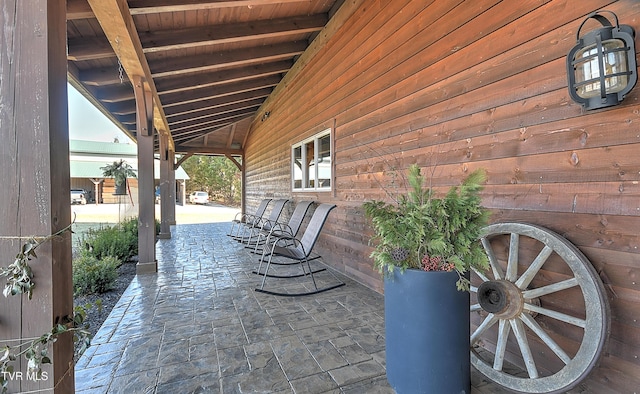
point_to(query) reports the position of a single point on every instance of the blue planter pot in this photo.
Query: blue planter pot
(427, 333)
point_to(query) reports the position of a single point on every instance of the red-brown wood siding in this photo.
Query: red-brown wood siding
(456, 85)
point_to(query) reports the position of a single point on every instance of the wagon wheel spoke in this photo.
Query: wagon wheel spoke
(481, 275)
(493, 262)
(512, 264)
(542, 334)
(523, 343)
(533, 269)
(489, 321)
(503, 337)
(519, 304)
(550, 289)
(474, 307)
(556, 315)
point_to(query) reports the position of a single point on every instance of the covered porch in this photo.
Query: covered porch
(198, 326)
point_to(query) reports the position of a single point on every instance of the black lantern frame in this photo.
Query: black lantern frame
(601, 68)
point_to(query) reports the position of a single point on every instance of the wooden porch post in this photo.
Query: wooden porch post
(183, 192)
(34, 197)
(243, 183)
(146, 194)
(165, 186)
(172, 188)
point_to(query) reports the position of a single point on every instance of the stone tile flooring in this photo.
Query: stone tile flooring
(198, 326)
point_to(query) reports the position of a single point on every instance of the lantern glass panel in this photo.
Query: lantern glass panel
(588, 71)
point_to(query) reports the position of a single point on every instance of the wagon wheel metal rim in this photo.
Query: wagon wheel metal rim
(521, 307)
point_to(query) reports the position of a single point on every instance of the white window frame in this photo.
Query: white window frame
(316, 151)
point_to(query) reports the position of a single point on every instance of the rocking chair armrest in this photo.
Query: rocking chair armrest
(293, 242)
(242, 217)
(283, 228)
(250, 218)
(267, 222)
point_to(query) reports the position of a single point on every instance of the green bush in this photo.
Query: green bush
(120, 240)
(111, 241)
(93, 275)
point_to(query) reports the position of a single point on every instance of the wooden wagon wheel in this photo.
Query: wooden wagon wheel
(518, 304)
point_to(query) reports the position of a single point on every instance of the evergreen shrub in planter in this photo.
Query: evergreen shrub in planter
(427, 234)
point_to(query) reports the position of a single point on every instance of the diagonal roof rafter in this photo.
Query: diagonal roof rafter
(116, 22)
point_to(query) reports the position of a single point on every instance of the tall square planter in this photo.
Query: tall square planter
(427, 333)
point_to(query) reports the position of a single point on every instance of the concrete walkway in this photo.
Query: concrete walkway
(198, 326)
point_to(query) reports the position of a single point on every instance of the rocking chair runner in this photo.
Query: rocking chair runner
(271, 230)
(243, 219)
(298, 250)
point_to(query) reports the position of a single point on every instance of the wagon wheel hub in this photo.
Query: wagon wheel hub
(500, 297)
(522, 296)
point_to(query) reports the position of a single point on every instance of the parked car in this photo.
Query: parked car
(199, 198)
(78, 196)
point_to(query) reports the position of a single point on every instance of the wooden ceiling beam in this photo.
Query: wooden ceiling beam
(207, 112)
(219, 130)
(79, 9)
(140, 7)
(165, 67)
(190, 108)
(199, 80)
(206, 93)
(196, 126)
(214, 117)
(231, 135)
(90, 48)
(205, 150)
(102, 76)
(116, 22)
(128, 119)
(165, 40)
(122, 107)
(115, 93)
(202, 132)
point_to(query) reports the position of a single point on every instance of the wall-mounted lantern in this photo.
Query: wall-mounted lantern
(601, 68)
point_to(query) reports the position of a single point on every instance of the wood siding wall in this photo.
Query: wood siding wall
(457, 85)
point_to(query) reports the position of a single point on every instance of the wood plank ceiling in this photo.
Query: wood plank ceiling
(211, 63)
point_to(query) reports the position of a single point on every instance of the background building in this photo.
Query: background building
(86, 159)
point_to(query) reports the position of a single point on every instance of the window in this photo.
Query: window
(311, 163)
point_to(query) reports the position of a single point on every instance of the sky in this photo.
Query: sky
(87, 123)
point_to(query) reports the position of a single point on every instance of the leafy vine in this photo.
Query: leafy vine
(35, 350)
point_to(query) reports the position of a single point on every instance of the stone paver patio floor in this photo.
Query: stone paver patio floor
(198, 326)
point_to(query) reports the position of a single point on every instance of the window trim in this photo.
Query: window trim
(316, 145)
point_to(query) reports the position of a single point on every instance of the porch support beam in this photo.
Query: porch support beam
(165, 186)
(146, 194)
(34, 197)
(172, 188)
